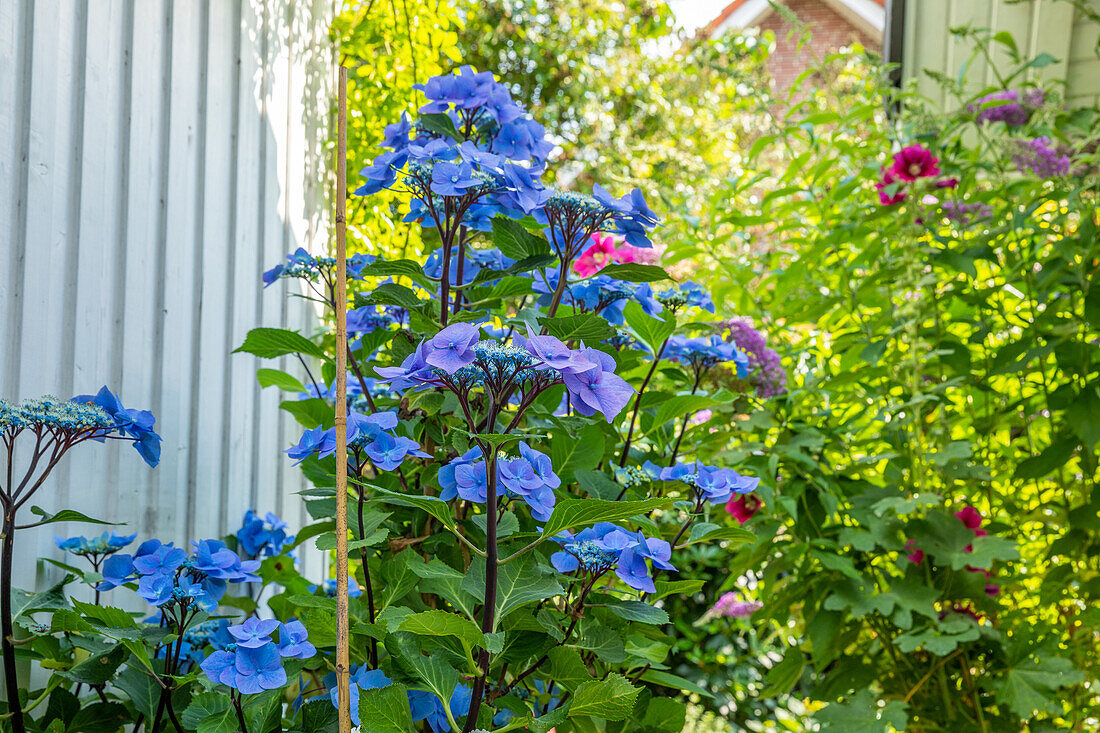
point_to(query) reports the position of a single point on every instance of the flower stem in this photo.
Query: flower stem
(367, 582)
(488, 611)
(10, 679)
(637, 404)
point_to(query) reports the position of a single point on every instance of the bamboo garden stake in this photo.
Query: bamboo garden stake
(342, 653)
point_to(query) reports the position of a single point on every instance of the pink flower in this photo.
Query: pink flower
(970, 517)
(602, 253)
(730, 607)
(742, 507)
(947, 183)
(700, 417)
(914, 162)
(916, 555)
(885, 197)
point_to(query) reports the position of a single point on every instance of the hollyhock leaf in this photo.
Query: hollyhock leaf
(271, 343)
(1055, 455)
(987, 550)
(782, 677)
(636, 272)
(584, 327)
(862, 714)
(611, 699)
(387, 709)
(1033, 685)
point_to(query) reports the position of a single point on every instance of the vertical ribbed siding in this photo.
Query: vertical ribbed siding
(154, 158)
(1038, 26)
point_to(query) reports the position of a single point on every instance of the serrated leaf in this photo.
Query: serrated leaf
(636, 272)
(385, 709)
(584, 512)
(667, 588)
(680, 406)
(566, 667)
(65, 515)
(271, 343)
(674, 682)
(651, 331)
(1033, 685)
(638, 611)
(99, 717)
(518, 583)
(278, 378)
(610, 699)
(515, 242)
(443, 623)
(665, 714)
(587, 327)
(706, 532)
(210, 712)
(393, 294)
(440, 124)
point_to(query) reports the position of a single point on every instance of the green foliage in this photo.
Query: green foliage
(936, 363)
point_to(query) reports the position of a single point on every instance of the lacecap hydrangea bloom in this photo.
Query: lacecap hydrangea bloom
(529, 476)
(457, 359)
(253, 663)
(710, 483)
(605, 546)
(96, 548)
(369, 437)
(262, 535)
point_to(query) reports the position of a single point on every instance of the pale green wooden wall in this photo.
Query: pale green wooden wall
(1053, 26)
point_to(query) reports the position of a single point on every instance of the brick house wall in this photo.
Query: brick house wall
(830, 30)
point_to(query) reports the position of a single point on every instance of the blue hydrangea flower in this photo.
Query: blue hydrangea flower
(249, 670)
(135, 424)
(597, 388)
(262, 535)
(361, 679)
(253, 633)
(96, 548)
(330, 588)
(604, 546)
(294, 641)
(711, 483)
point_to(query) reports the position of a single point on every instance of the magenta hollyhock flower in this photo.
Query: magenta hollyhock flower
(947, 183)
(915, 161)
(992, 590)
(601, 253)
(885, 197)
(970, 517)
(743, 507)
(916, 555)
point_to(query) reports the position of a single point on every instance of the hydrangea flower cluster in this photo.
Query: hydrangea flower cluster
(354, 591)
(476, 154)
(302, 265)
(599, 294)
(96, 548)
(529, 476)
(710, 483)
(424, 706)
(767, 369)
(253, 662)
(84, 417)
(1041, 157)
(1008, 106)
(176, 582)
(262, 535)
(702, 354)
(455, 358)
(369, 437)
(686, 294)
(604, 546)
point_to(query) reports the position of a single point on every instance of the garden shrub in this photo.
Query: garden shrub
(532, 468)
(926, 539)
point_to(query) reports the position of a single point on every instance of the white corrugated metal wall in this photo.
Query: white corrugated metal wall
(1053, 26)
(156, 157)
